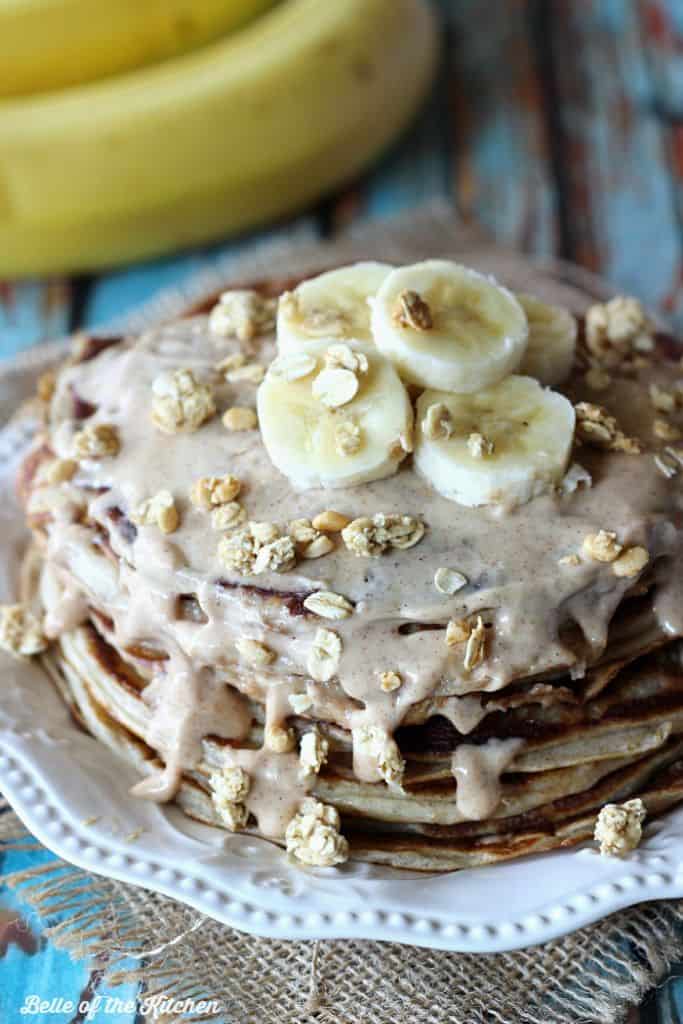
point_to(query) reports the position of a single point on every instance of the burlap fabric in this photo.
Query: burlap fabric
(593, 975)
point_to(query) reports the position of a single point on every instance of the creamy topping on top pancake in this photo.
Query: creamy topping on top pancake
(545, 606)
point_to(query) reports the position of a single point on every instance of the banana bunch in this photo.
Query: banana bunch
(356, 343)
(249, 127)
(50, 44)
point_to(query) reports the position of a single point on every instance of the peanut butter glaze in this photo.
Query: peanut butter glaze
(542, 618)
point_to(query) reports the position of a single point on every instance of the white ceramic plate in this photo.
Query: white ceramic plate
(57, 778)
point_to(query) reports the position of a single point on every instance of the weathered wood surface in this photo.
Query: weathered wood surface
(32, 311)
(557, 124)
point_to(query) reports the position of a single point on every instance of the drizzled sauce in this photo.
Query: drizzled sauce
(509, 557)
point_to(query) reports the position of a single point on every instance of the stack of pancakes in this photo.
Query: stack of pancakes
(578, 700)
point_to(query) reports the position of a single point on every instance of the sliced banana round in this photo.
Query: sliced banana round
(502, 446)
(551, 346)
(347, 421)
(332, 305)
(447, 326)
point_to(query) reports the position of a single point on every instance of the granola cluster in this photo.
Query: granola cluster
(96, 441)
(479, 446)
(369, 537)
(310, 541)
(181, 402)
(603, 546)
(216, 494)
(616, 330)
(242, 313)
(313, 751)
(313, 837)
(374, 742)
(257, 549)
(348, 438)
(619, 827)
(596, 427)
(229, 788)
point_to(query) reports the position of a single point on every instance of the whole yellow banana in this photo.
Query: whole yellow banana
(244, 130)
(49, 44)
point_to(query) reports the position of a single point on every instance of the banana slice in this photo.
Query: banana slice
(332, 305)
(502, 446)
(552, 341)
(342, 419)
(446, 326)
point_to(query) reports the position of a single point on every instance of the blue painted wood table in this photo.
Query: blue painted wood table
(556, 124)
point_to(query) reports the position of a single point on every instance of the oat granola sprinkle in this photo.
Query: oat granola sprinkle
(96, 441)
(322, 545)
(313, 751)
(57, 471)
(412, 311)
(615, 329)
(479, 446)
(602, 546)
(476, 643)
(619, 827)
(368, 538)
(390, 681)
(242, 313)
(438, 422)
(21, 634)
(293, 366)
(181, 402)
(279, 739)
(596, 427)
(276, 556)
(449, 581)
(310, 542)
(343, 357)
(300, 703)
(375, 742)
(242, 550)
(662, 400)
(328, 605)
(324, 655)
(312, 835)
(233, 783)
(631, 562)
(232, 813)
(665, 430)
(250, 373)
(159, 510)
(254, 653)
(209, 491)
(348, 438)
(335, 386)
(239, 418)
(330, 521)
(228, 516)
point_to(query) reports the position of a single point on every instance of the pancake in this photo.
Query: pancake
(192, 669)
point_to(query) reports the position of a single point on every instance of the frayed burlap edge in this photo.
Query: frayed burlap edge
(593, 975)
